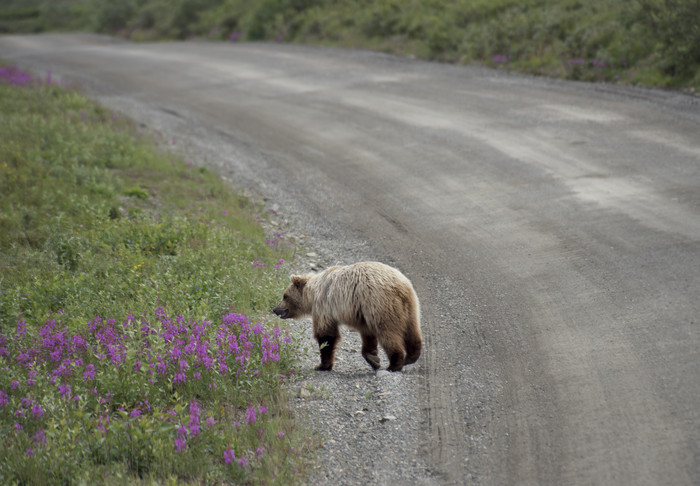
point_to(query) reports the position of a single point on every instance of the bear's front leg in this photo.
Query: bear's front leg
(369, 350)
(327, 344)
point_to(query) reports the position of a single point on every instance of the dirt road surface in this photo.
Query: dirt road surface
(551, 229)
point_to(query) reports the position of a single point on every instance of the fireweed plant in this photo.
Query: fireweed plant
(135, 338)
(158, 395)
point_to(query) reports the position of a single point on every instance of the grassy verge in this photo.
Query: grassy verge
(134, 287)
(640, 42)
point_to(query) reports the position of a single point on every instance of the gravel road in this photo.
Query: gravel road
(551, 229)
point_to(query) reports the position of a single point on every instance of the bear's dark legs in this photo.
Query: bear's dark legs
(369, 350)
(327, 344)
(413, 344)
(393, 346)
(396, 360)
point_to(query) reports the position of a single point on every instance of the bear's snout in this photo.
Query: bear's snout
(281, 312)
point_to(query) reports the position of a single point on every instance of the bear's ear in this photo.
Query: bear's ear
(299, 281)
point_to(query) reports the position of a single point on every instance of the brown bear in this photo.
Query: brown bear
(374, 299)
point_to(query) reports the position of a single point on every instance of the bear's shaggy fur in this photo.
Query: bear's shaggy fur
(374, 299)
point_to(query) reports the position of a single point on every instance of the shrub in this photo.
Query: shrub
(675, 24)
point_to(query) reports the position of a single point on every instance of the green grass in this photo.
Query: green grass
(135, 288)
(640, 42)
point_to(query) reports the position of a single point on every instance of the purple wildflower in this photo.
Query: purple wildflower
(233, 344)
(15, 76)
(102, 423)
(89, 373)
(37, 410)
(180, 444)
(161, 367)
(232, 318)
(79, 343)
(194, 419)
(23, 358)
(40, 437)
(21, 328)
(270, 349)
(65, 391)
(229, 456)
(251, 416)
(181, 441)
(3, 399)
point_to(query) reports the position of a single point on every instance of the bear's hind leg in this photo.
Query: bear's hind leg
(327, 344)
(413, 344)
(369, 350)
(397, 359)
(393, 346)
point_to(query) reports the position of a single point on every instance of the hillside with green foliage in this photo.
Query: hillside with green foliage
(641, 42)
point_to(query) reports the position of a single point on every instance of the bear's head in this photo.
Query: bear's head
(292, 304)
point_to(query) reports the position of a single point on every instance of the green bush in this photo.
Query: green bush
(676, 25)
(114, 16)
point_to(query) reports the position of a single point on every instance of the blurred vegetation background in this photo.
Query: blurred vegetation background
(653, 43)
